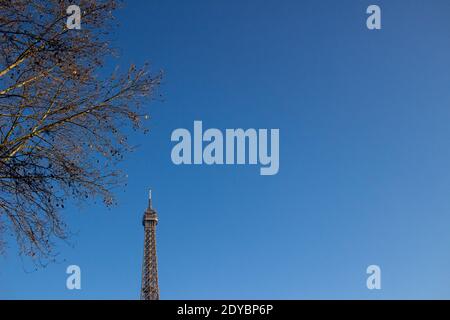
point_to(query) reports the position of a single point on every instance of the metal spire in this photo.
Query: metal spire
(150, 198)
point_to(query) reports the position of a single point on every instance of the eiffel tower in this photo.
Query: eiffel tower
(150, 288)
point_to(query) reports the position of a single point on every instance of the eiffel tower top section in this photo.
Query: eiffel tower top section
(150, 214)
(150, 287)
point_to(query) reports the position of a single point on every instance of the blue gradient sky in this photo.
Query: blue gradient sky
(364, 157)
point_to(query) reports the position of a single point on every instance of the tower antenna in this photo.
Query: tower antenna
(150, 198)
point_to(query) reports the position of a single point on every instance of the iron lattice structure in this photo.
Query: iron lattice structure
(150, 287)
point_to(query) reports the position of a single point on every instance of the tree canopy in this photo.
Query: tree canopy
(62, 121)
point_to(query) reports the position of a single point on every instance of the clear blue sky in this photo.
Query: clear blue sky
(364, 119)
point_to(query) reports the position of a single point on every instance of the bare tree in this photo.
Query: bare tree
(61, 122)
